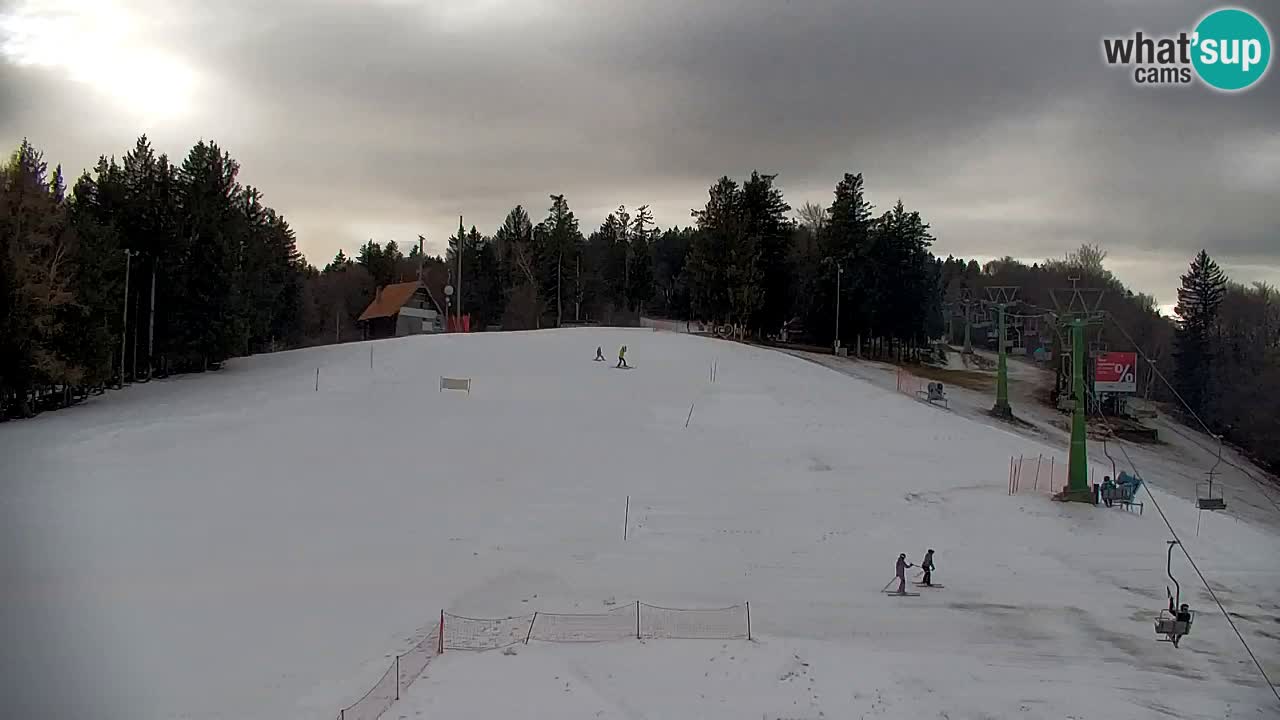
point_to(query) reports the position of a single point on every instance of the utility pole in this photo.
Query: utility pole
(1079, 312)
(421, 256)
(966, 299)
(839, 272)
(461, 239)
(448, 300)
(124, 330)
(1002, 296)
(137, 302)
(151, 322)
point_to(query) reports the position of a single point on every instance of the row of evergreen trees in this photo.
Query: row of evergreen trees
(210, 272)
(744, 261)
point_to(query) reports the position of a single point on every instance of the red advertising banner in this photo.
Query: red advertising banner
(1115, 372)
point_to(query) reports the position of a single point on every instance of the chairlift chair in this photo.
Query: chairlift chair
(1106, 451)
(1205, 497)
(1167, 623)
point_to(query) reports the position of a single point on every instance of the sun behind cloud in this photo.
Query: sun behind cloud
(105, 46)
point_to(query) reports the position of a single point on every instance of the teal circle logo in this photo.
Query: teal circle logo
(1231, 49)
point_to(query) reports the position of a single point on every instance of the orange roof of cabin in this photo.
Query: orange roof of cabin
(390, 299)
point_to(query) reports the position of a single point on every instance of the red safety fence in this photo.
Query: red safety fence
(909, 384)
(1039, 474)
(1043, 474)
(455, 324)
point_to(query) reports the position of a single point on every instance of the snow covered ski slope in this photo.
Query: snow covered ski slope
(243, 545)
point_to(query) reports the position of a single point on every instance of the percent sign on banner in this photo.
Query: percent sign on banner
(1116, 372)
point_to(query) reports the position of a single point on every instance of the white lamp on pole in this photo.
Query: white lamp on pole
(448, 297)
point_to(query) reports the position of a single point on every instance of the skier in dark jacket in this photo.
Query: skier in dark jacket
(927, 566)
(902, 572)
(599, 353)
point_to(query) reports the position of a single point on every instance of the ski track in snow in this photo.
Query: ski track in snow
(238, 545)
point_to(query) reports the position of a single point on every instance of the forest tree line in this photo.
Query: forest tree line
(213, 273)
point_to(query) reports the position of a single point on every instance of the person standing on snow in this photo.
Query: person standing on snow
(927, 566)
(599, 353)
(902, 573)
(622, 357)
(1108, 491)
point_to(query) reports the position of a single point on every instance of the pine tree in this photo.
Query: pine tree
(639, 259)
(170, 263)
(206, 319)
(712, 254)
(1202, 291)
(670, 255)
(769, 232)
(99, 284)
(39, 255)
(844, 243)
(257, 289)
(339, 262)
(612, 257)
(487, 302)
(518, 267)
(379, 261)
(288, 270)
(904, 287)
(139, 222)
(561, 243)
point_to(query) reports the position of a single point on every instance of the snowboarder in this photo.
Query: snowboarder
(622, 357)
(599, 354)
(927, 566)
(902, 573)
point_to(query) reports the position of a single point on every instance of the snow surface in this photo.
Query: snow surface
(238, 545)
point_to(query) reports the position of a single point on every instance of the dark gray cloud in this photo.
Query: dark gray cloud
(996, 118)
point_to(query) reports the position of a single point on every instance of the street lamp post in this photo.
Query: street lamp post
(124, 331)
(839, 272)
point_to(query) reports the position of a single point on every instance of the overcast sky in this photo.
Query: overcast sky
(997, 119)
